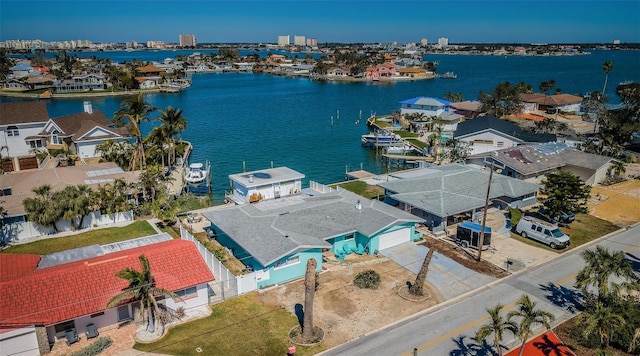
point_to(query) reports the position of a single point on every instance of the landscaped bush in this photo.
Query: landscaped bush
(101, 344)
(369, 279)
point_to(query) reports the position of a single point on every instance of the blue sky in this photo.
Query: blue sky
(347, 21)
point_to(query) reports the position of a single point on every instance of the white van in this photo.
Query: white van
(542, 231)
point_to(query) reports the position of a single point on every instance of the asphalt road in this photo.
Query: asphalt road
(448, 328)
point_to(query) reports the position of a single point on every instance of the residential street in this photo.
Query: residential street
(449, 328)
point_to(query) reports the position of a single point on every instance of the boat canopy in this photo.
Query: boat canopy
(196, 166)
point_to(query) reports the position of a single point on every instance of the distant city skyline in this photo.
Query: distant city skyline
(349, 21)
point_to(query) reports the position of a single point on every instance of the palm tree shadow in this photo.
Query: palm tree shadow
(563, 297)
(550, 348)
(634, 261)
(472, 348)
(299, 313)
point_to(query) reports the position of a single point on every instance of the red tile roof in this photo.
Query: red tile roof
(15, 265)
(543, 345)
(51, 295)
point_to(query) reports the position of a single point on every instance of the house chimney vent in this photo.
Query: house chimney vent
(251, 178)
(88, 108)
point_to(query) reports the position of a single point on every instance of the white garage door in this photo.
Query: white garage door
(394, 238)
(21, 342)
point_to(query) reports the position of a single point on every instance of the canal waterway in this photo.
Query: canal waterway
(250, 121)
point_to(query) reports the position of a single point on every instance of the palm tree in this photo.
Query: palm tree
(417, 286)
(601, 321)
(142, 288)
(606, 67)
(75, 202)
(600, 266)
(618, 168)
(309, 295)
(41, 209)
(496, 326)
(529, 317)
(174, 123)
(133, 112)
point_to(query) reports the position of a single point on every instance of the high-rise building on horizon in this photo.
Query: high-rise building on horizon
(299, 40)
(424, 42)
(443, 42)
(187, 40)
(284, 40)
(312, 42)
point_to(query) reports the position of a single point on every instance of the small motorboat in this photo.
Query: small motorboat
(196, 173)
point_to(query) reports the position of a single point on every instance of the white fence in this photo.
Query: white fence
(21, 230)
(226, 284)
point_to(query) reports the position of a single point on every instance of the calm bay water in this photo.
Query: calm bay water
(238, 120)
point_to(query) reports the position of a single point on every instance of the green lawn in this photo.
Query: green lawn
(239, 326)
(93, 237)
(417, 143)
(584, 229)
(406, 134)
(362, 188)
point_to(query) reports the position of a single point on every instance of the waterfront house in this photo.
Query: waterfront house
(432, 111)
(413, 72)
(469, 109)
(148, 82)
(149, 70)
(20, 126)
(427, 106)
(552, 103)
(276, 237)
(386, 69)
(80, 83)
(272, 183)
(21, 70)
(448, 194)
(532, 162)
(81, 133)
(488, 133)
(45, 296)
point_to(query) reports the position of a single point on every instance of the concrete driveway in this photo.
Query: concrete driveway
(449, 277)
(504, 248)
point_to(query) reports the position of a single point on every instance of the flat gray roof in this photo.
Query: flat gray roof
(272, 229)
(266, 176)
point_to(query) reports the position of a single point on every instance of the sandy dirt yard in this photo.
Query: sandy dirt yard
(344, 311)
(618, 203)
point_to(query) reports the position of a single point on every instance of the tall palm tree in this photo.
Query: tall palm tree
(529, 317)
(75, 203)
(309, 295)
(496, 326)
(606, 67)
(600, 266)
(417, 286)
(142, 289)
(600, 321)
(41, 208)
(174, 123)
(132, 113)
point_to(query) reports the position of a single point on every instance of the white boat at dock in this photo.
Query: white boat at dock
(197, 173)
(380, 138)
(399, 149)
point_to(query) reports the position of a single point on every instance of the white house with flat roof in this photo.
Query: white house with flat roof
(272, 183)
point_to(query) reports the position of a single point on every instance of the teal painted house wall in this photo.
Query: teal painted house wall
(292, 271)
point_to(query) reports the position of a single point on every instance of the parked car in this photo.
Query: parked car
(541, 216)
(542, 231)
(564, 217)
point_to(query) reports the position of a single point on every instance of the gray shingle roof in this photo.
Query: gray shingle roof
(485, 123)
(532, 159)
(272, 229)
(454, 188)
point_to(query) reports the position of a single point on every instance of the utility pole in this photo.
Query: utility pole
(484, 215)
